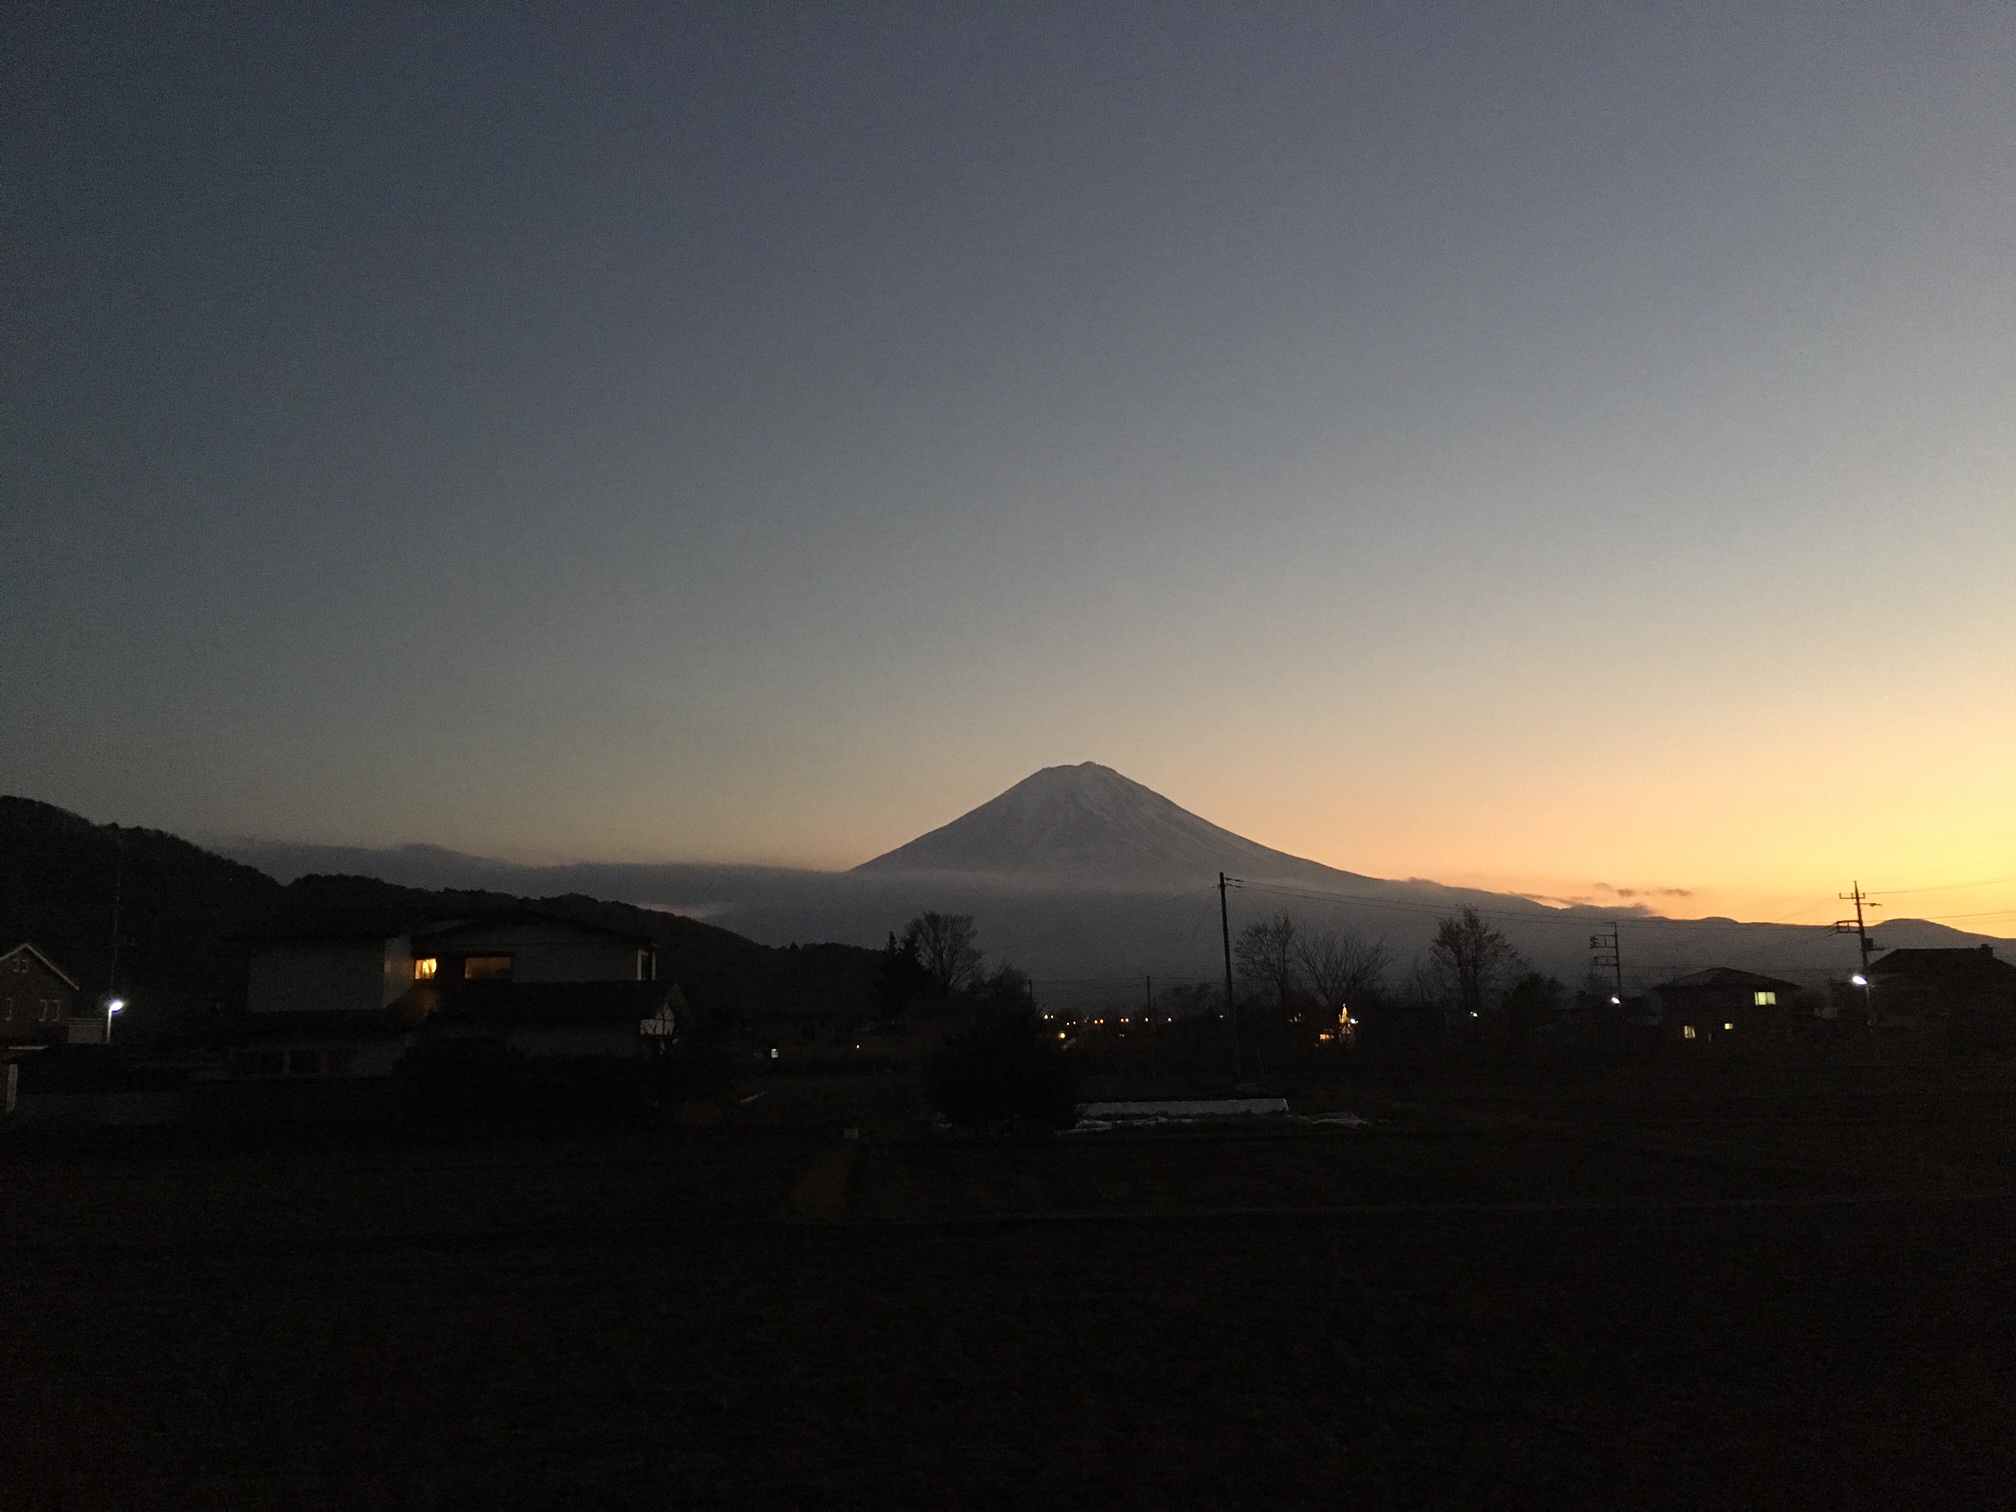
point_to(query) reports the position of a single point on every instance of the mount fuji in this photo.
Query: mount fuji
(1088, 823)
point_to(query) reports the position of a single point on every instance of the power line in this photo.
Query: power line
(1952, 886)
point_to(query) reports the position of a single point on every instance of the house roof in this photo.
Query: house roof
(344, 928)
(446, 927)
(1976, 965)
(1726, 979)
(55, 970)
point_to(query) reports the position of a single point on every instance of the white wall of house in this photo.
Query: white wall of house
(324, 975)
(541, 952)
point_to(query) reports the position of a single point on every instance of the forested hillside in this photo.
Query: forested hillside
(184, 915)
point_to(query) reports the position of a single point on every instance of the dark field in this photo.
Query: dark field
(1697, 1287)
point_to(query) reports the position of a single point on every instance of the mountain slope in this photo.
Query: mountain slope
(184, 912)
(1086, 823)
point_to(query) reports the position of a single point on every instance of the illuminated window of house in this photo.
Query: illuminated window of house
(1764, 999)
(493, 968)
(423, 971)
(1729, 1026)
(1686, 1031)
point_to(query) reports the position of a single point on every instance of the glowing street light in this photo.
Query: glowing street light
(1859, 980)
(112, 1005)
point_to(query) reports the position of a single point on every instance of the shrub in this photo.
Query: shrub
(1006, 1074)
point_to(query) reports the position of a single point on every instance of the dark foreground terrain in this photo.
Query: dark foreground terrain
(1696, 1287)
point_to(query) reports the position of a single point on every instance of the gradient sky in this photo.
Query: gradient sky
(1540, 446)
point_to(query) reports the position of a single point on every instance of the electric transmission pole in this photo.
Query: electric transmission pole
(1609, 953)
(1148, 1004)
(1231, 1007)
(1857, 928)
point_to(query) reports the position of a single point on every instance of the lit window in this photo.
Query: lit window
(423, 971)
(495, 968)
(1764, 999)
(1729, 1026)
(1686, 1031)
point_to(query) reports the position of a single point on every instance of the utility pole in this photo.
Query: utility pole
(1231, 1007)
(1856, 927)
(1614, 959)
(1148, 1004)
(112, 1003)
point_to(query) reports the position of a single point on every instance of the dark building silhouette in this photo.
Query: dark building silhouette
(1726, 1009)
(38, 1009)
(1968, 995)
(354, 1001)
(38, 999)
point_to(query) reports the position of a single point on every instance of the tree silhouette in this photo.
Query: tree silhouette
(1341, 968)
(1005, 1073)
(1266, 953)
(943, 946)
(900, 980)
(1474, 956)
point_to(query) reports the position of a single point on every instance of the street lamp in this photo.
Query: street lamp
(112, 1005)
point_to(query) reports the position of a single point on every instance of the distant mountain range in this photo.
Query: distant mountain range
(1092, 881)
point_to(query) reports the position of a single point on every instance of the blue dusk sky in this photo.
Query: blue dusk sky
(1553, 447)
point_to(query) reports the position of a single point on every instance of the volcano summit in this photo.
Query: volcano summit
(1088, 823)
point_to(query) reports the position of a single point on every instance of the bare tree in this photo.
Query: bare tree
(1341, 968)
(1265, 952)
(1474, 956)
(943, 945)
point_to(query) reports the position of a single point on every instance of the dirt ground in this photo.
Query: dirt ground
(1683, 1288)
